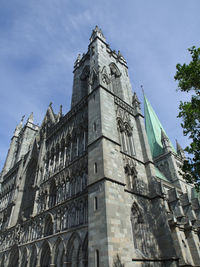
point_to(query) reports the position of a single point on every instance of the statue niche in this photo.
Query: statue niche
(131, 176)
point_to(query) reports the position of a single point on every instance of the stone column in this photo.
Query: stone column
(84, 140)
(52, 260)
(77, 144)
(71, 146)
(181, 246)
(38, 261)
(65, 261)
(65, 155)
(192, 240)
(54, 163)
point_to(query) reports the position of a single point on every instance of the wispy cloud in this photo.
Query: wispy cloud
(39, 41)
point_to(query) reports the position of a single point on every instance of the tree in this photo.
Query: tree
(188, 77)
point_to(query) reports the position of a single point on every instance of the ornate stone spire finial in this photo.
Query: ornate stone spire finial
(76, 63)
(19, 127)
(30, 118)
(179, 150)
(97, 32)
(59, 113)
(163, 135)
(60, 109)
(119, 54)
(22, 119)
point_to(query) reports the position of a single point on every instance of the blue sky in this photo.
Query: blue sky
(40, 40)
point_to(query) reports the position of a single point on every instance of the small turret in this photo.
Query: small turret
(165, 142)
(10, 159)
(180, 151)
(30, 120)
(19, 127)
(59, 113)
(76, 63)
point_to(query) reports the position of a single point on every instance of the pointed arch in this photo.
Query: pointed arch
(114, 70)
(59, 252)
(84, 81)
(14, 257)
(2, 260)
(24, 257)
(105, 78)
(74, 250)
(136, 213)
(138, 229)
(48, 226)
(33, 256)
(125, 134)
(85, 251)
(120, 124)
(116, 80)
(45, 254)
(85, 73)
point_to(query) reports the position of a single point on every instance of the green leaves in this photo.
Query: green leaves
(188, 77)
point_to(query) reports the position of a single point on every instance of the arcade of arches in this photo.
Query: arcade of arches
(52, 251)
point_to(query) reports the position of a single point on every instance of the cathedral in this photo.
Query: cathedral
(99, 186)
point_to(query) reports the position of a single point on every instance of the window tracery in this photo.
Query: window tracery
(125, 133)
(138, 229)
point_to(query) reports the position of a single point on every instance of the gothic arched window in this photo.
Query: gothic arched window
(138, 229)
(45, 258)
(129, 139)
(74, 251)
(126, 137)
(14, 257)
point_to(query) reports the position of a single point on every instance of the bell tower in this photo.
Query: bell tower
(120, 166)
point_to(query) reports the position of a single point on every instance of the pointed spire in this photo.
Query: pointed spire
(59, 113)
(154, 133)
(97, 32)
(163, 136)
(51, 112)
(30, 118)
(22, 119)
(76, 63)
(179, 150)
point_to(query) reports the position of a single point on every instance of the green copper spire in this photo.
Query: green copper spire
(154, 130)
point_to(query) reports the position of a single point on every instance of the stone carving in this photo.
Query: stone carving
(131, 173)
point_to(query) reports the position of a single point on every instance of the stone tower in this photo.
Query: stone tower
(86, 189)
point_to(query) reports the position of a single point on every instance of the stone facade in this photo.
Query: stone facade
(83, 188)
